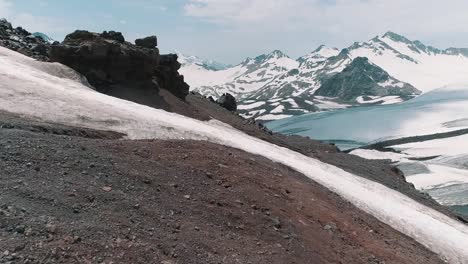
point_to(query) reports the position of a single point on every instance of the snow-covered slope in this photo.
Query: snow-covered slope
(438, 167)
(408, 67)
(240, 80)
(425, 67)
(55, 93)
(206, 64)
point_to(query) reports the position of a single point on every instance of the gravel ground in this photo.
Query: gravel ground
(71, 195)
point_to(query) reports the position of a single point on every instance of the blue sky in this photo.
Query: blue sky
(230, 30)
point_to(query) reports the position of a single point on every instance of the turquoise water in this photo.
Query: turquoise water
(461, 209)
(355, 127)
(362, 125)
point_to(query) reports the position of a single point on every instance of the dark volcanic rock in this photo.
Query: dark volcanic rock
(149, 42)
(168, 76)
(112, 35)
(119, 68)
(105, 60)
(228, 101)
(20, 40)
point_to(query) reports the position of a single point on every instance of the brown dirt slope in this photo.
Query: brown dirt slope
(73, 199)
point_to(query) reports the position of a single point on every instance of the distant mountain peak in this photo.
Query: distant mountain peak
(185, 59)
(44, 37)
(321, 53)
(396, 37)
(277, 54)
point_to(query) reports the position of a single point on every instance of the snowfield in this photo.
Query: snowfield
(444, 177)
(33, 89)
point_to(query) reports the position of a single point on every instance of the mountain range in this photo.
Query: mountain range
(384, 70)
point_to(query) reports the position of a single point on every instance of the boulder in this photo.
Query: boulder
(112, 35)
(228, 101)
(40, 49)
(149, 42)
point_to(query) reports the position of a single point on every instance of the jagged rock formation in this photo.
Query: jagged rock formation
(149, 42)
(119, 68)
(228, 101)
(168, 76)
(112, 65)
(20, 40)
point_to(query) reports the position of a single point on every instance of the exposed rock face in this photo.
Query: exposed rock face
(149, 42)
(228, 101)
(362, 78)
(20, 40)
(117, 36)
(119, 68)
(168, 76)
(105, 60)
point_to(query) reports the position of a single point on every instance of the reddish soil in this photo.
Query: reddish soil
(72, 199)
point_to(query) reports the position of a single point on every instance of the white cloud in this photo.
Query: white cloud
(336, 17)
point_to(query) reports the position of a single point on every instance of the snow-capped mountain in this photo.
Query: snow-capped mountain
(44, 37)
(396, 69)
(206, 64)
(241, 80)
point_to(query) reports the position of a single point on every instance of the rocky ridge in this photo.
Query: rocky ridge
(119, 68)
(22, 41)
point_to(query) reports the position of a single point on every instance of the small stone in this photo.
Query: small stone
(146, 181)
(19, 247)
(187, 197)
(76, 239)
(20, 229)
(107, 188)
(276, 223)
(51, 228)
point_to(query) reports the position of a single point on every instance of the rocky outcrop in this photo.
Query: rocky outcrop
(20, 40)
(106, 60)
(167, 76)
(148, 42)
(119, 68)
(228, 101)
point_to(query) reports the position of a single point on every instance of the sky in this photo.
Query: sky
(231, 30)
